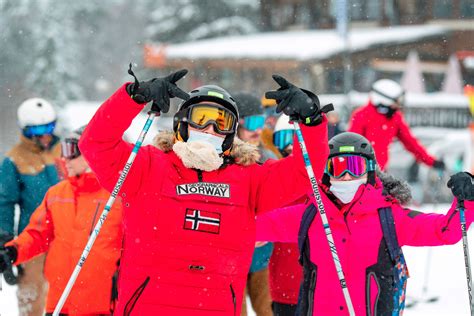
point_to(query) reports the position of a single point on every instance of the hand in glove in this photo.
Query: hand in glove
(462, 186)
(158, 90)
(439, 164)
(299, 104)
(8, 255)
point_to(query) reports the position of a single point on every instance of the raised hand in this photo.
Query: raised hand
(158, 90)
(301, 105)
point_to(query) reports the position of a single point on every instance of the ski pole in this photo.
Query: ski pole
(151, 115)
(322, 212)
(466, 253)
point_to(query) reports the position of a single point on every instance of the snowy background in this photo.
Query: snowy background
(75, 53)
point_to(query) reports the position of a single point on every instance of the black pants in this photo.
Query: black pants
(280, 309)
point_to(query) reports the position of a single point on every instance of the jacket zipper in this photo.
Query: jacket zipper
(93, 219)
(136, 295)
(199, 172)
(449, 220)
(234, 299)
(312, 285)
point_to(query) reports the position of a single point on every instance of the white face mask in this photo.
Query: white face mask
(345, 190)
(215, 141)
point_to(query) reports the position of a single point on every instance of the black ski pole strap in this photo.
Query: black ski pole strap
(306, 220)
(136, 83)
(389, 232)
(327, 108)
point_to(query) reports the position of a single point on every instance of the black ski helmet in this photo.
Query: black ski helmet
(355, 144)
(248, 104)
(209, 93)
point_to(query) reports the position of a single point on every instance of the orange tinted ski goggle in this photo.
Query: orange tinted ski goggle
(202, 115)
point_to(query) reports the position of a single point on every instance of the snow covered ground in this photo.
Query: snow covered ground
(447, 280)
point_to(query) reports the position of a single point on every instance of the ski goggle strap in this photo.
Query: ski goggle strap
(70, 148)
(253, 122)
(202, 115)
(355, 165)
(39, 130)
(283, 138)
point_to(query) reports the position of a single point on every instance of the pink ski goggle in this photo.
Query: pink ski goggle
(355, 165)
(70, 148)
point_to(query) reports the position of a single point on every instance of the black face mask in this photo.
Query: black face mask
(386, 110)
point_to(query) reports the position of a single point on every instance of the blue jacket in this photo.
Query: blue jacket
(261, 255)
(26, 173)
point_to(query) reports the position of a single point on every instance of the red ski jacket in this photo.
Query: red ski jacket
(61, 226)
(286, 273)
(189, 235)
(380, 131)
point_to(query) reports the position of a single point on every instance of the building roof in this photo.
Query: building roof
(291, 45)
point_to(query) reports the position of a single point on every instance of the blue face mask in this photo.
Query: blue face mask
(215, 141)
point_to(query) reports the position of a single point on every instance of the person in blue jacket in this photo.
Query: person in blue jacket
(26, 172)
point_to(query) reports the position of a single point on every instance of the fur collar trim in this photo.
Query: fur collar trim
(242, 153)
(398, 189)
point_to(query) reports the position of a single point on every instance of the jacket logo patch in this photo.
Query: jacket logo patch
(202, 221)
(204, 188)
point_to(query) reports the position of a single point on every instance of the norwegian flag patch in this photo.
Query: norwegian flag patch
(202, 221)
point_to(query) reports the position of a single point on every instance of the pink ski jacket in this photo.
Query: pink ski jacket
(189, 235)
(381, 131)
(358, 238)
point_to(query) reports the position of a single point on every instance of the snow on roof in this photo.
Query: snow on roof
(300, 45)
(416, 100)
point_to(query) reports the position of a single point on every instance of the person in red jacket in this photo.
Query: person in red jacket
(60, 227)
(381, 120)
(190, 207)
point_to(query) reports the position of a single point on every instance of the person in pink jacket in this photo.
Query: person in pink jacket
(361, 211)
(381, 120)
(190, 206)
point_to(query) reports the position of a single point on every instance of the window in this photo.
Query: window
(442, 8)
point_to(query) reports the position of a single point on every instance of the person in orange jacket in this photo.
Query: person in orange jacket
(61, 226)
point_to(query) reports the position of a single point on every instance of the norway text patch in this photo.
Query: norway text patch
(203, 221)
(204, 188)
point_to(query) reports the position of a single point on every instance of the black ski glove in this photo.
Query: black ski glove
(158, 90)
(299, 104)
(439, 164)
(462, 186)
(8, 255)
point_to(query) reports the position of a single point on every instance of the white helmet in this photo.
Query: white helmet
(34, 112)
(283, 133)
(282, 123)
(386, 92)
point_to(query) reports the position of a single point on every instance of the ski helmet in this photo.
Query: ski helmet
(353, 144)
(209, 93)
(283, 123)
(248, 104)
(386, 92)
(283, 133)
(34, 112)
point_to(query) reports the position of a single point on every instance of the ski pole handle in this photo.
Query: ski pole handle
(465, 247)
(151, 115)
(322, 212)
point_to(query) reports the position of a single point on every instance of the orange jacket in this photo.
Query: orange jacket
(61, 226)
